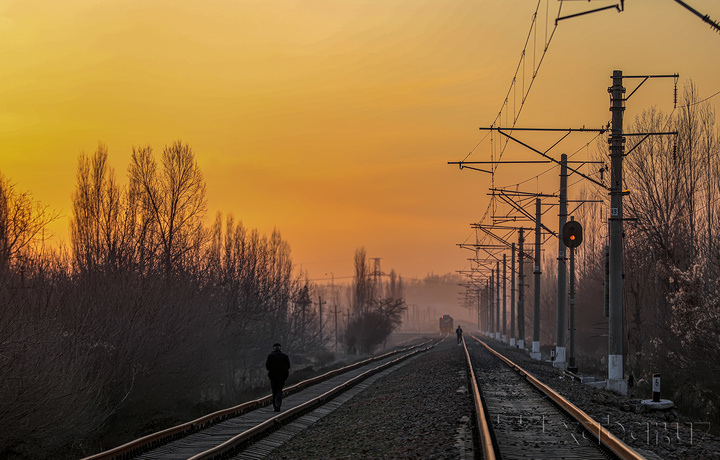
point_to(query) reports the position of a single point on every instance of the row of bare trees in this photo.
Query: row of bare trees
(156, 223)
(148, 318)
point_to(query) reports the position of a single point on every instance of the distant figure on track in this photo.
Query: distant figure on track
(458, 331)
(278, 366)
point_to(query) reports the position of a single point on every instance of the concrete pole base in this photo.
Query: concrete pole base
(512, 342)
(535, 354)
(663, 404)
(618, 386)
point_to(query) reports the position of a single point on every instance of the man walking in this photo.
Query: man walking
(458, 331)
(278, 367)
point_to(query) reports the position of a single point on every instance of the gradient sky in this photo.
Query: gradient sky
(332, 120)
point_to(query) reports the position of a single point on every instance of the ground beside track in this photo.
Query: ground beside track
(422, 410)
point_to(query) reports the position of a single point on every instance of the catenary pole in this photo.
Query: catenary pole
(488, 312)
(320, 313)
(512, 296)
(479, 291)
(491, 304)
(497, 300)
(561, 270)
(521, 293)
(572, 367)
(504, 300)
(536, 311)
(336, 327)
(616, 381)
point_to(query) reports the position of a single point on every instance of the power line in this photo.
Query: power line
(332, 278)
(704, 17)
(532, 32)
(514, 82)
(536, 69)
(706, 99)
(552, 168)
(680, 217)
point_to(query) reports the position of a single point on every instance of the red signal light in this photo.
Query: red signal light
(572, 234)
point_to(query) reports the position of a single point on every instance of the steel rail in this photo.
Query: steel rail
(145, 443)
(229, 446)
(603, 436)
(481, 421)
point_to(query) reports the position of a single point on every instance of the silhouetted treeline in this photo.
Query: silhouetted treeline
(148, 313)
(376, 307)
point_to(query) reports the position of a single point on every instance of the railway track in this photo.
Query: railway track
(519, 417)
(246, 431)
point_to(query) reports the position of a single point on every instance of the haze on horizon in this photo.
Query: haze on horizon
(330, 121)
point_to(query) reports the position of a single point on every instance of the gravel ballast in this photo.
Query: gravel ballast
(656, 434)
(421, 410)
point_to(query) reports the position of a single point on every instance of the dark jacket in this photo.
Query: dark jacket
(278, 365)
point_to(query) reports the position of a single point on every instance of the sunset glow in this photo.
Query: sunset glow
(332, 121)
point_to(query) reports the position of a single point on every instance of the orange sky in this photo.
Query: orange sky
(330, 120)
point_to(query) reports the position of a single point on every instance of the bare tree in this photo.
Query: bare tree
(373, 318)
(362, 288)
(22, 222)
(395, 286)
(173, 199)
(100, 230)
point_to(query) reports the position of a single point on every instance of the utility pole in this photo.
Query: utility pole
(489, 322)
(320, 305)
(606, 283)
(334, 300)
(377, 273)
(521, 294)
(616, 380)
(478, 306)
(497, 300)
(347, 316)
(335, 311)
(535, 354)
(572, 367)
(512, 296)
(504, 300)
(562, 270)
(616, 376)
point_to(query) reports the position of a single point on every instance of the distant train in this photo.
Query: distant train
(446, 324)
